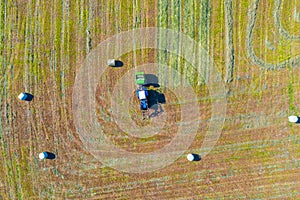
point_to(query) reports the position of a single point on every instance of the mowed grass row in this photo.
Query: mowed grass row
(290, 18)
(261, 88)
(45, 46)
(36, 49)
(10, 167)
(193, 19)
(271, 46)
(36, 58)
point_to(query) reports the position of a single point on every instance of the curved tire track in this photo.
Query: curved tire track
(278, 23)
(252, 13)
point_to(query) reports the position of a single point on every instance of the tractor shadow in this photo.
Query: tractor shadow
(151, 80)
(115, 63)
(155, 98)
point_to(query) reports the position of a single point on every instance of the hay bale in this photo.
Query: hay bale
(25, 96)
(293, 119)
(193, 157)
(111, 62)
(190, 157)
(43, 155)
(22, 96)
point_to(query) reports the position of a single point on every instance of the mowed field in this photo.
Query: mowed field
(255, 45)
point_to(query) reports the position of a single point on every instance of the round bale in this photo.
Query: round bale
(22, 96)
(293, 119)
(43, 155)
(190, 157)
(111, 62)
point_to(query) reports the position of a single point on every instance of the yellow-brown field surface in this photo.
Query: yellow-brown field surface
(254, 48)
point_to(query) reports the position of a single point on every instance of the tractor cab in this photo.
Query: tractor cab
(142, 93)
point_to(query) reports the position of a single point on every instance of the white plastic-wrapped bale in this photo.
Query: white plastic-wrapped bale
(22, 96)
(25, 96)
(293, 119)
(193, 157)
(47, 155)
(43, 155)
(190, 157)
(111, 62)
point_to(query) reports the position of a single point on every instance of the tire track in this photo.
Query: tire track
(229, 48)
(189, 28)
(163, 21)
(4, 172)
(204, 40)
(252, 14)
(174, 59)
(11, 139)
(277, 21)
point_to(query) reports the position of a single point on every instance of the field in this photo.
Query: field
(255, 48)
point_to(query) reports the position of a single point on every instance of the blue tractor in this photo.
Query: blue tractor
(142, 93)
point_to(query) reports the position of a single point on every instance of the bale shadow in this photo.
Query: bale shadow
(29, 97)
(115, 63)
(119, 63)
(50, 156)
(197, 157)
